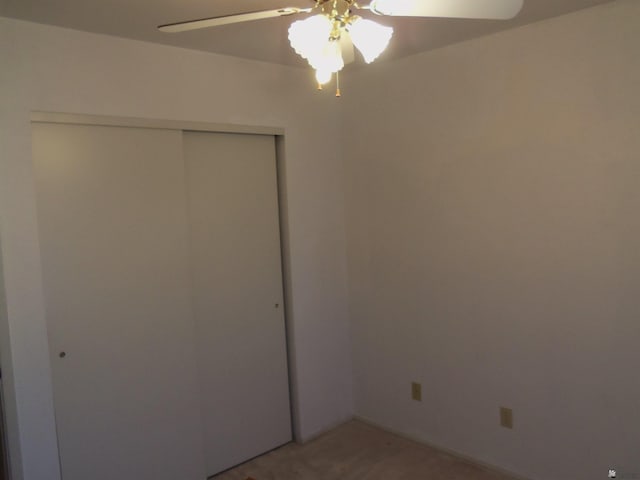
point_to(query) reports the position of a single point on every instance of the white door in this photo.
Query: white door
(237, 291)
(114, 244)
(164, 303)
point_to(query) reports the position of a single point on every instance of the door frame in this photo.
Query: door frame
(283, 219)
(134, 122)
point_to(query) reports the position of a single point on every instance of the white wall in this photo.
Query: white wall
(52, 69)
(494, 244)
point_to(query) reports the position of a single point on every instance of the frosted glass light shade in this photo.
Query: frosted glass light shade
(308, 37)
(329, 59)
(370, 38)
(311, 39)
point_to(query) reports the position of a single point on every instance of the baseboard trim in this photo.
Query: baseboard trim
(318, 433)
(453, 453)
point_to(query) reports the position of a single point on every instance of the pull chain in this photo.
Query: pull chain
(338, 84)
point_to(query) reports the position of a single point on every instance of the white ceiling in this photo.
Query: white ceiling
(264, 40)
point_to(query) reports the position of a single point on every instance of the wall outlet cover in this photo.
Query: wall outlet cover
(416, 391)
(506, 417)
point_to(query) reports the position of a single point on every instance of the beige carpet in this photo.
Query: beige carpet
(356, 451)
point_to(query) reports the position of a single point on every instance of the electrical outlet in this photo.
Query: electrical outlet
(506, 417)
(416, 391)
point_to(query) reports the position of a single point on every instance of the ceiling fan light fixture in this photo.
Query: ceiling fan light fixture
(370, 38)
(308, 37)
(329, 39)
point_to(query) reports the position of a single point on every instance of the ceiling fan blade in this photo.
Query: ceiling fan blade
(482, 9)
(224, 20)
(346, 45)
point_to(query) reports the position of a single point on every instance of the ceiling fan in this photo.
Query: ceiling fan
(327, 38)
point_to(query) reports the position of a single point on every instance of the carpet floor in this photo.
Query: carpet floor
(357, 451)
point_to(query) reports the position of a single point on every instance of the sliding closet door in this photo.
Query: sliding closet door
(114, 241)
(238, 299)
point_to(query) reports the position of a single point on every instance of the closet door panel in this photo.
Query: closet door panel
(114, 244)
(237, 285)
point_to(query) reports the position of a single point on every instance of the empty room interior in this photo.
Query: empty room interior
(320, 240)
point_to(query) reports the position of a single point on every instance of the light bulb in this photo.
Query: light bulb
(323, 76)
(329, 58)
(370, 38)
